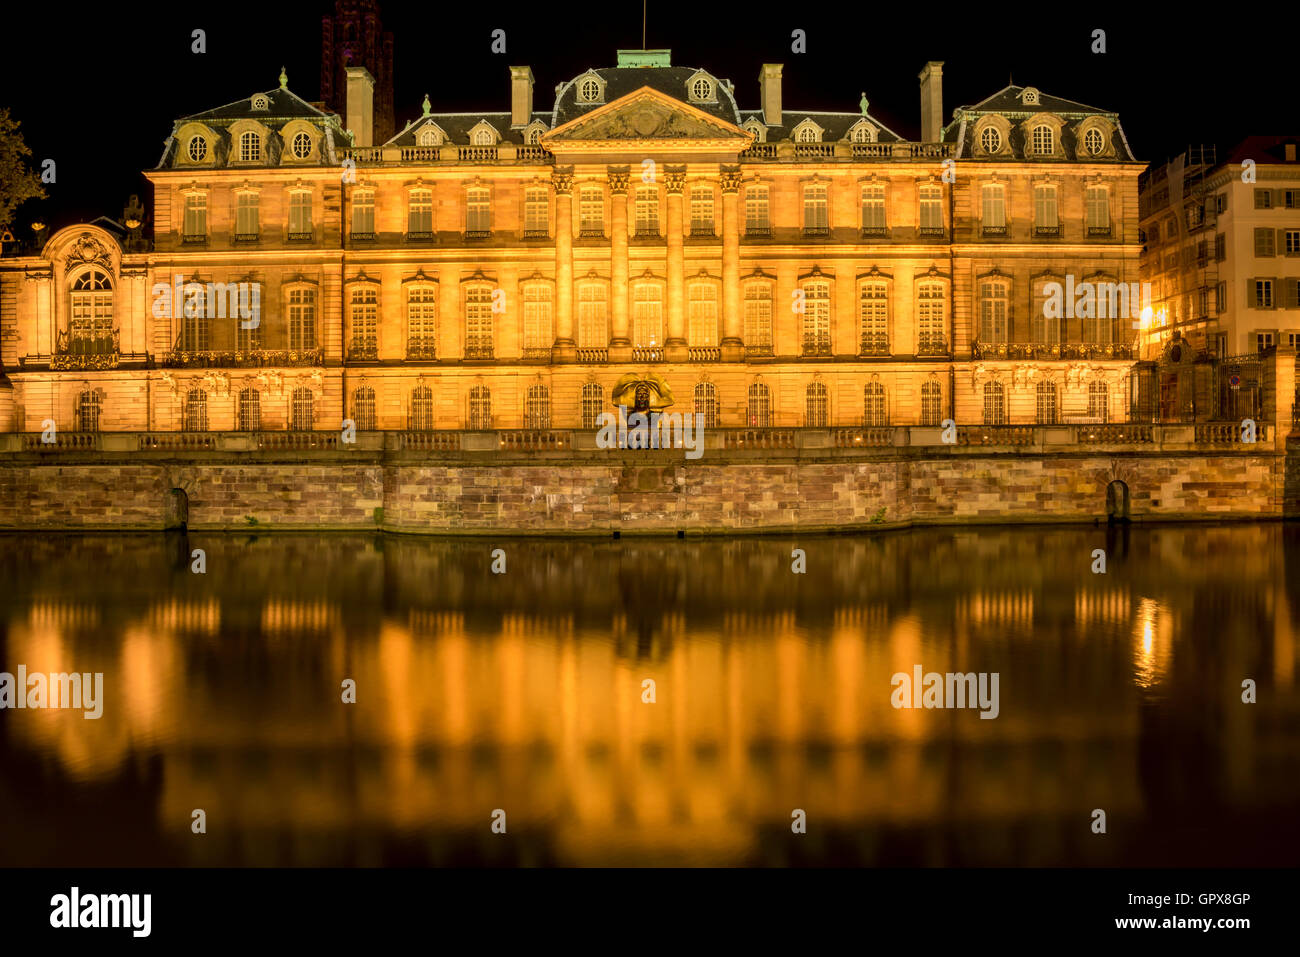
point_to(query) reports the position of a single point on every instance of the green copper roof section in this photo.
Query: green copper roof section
(645, 57)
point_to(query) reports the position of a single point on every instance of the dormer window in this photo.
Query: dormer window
(428, 137)
(301, 145)
(1043, 141)
(701, 89)
(807, 134)
(758, 129)
(534, 136)
(1094, 142)
(862, 132)
(483, 138)
(1029, 96)
(589, 91)
(250, 147)
(260, 102)
(197, 150)
(991, 139)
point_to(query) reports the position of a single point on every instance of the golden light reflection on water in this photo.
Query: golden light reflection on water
(769, 695)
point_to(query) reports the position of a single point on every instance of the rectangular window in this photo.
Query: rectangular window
(478, 213)
(246, 219)
(1098, 210)
(1293, 242)
(1291, 198)
(757, 222)
(196, 216)
(419, 214)
(302, 319)
(536, 212)
(421, 322)
(300, 215)
(1220, 247)
(817, 319)
(1045, 220)
(930, 319)
(647, 315)
(1263, 199)
(758, 319)
(1263, 293)
(365, 324)
(591, 212)
(593, 309)
(993, 213)
(1221, 203)
(1264, 242)
(1221, 297)
(816, 221)
(647, 211)
(537, 321)
(701, 210)
(1263, 340)
(931, 210)
(478, 322)
(873, 209)
(363, 214)
(873, 319)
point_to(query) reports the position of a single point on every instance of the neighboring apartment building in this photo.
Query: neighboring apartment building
(1222, 249)
(506, 270)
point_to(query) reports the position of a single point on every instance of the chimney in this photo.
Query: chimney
(360, 106)
(769, 85)
(521, 97)
(932, 102)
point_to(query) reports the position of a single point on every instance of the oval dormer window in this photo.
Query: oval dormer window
(589, 90)
(991, 139)
(701, 89)
(1094, 142)
(301, 145)
(197, 149)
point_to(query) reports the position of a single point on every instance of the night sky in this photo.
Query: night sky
(96, 87)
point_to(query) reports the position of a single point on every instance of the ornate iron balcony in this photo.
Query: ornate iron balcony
(1047, 232)
(419, 235)
(363, 349)
(478, 234)
(250, 359)
(993, 231)
(246, 237)
(478, 350)
(869, 232)
(931, 345)
(817, 345)
(874, 345)
(421, 348)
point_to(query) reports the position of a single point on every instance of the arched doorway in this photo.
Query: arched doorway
(1117, 502)
(176, 509)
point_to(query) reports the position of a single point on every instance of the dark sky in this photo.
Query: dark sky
(103, 82)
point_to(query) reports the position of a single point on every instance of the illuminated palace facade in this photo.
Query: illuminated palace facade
(771, 267)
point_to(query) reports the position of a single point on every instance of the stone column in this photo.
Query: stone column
(675, 342)
(733, 348)
(564, 350)
(620, 346)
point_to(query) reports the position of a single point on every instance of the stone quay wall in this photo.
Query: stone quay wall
(559, 483)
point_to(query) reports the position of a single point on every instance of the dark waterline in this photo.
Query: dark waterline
(523, 692)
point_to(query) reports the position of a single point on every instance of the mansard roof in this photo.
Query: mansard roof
(835, 126)
(1009, 102)
(620, 81)
(283, 104)
(457, 127)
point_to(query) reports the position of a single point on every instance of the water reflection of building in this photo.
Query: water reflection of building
(462, 708)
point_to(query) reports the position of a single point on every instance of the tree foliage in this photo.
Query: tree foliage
(18, 183)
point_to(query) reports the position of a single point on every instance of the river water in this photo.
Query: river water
(524, 698)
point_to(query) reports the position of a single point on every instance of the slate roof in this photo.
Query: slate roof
(835, 126)
(457, 126)
(1007, 102)
(284, 104)
(620, 81)
(1262, 149)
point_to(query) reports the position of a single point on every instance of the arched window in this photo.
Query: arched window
(421, 321)
(817, 318)
(428, 137)
(363, 408)
(593, 404)
(995, 410)
(1043, 140)
(647, 315)
(807, 134)
(862, 134)
(873, 318)
(90, 322)
(484, 138)
(538, 338)
(250, 147)
(931, 318)
(534, 137)
(1098, 401)
(537, 407)
(993, 311)
(760, 406)
(702, 314)
(480, 408)
(478, 322)
(991, 139)
(88, 412)
(875, 410)
(249, 415)
(1046, 402)
(593, 315)
(758, 318)
(194, 413)
(421, 415)
(706, 405)
(302, 411)
(701, 89)
(198, 149)
(302, 319)
(817, 412)
(365, 323)
(931, 403)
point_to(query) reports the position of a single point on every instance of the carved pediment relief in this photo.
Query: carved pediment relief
(646, 115)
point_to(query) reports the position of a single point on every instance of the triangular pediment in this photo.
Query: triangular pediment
(646, 116)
